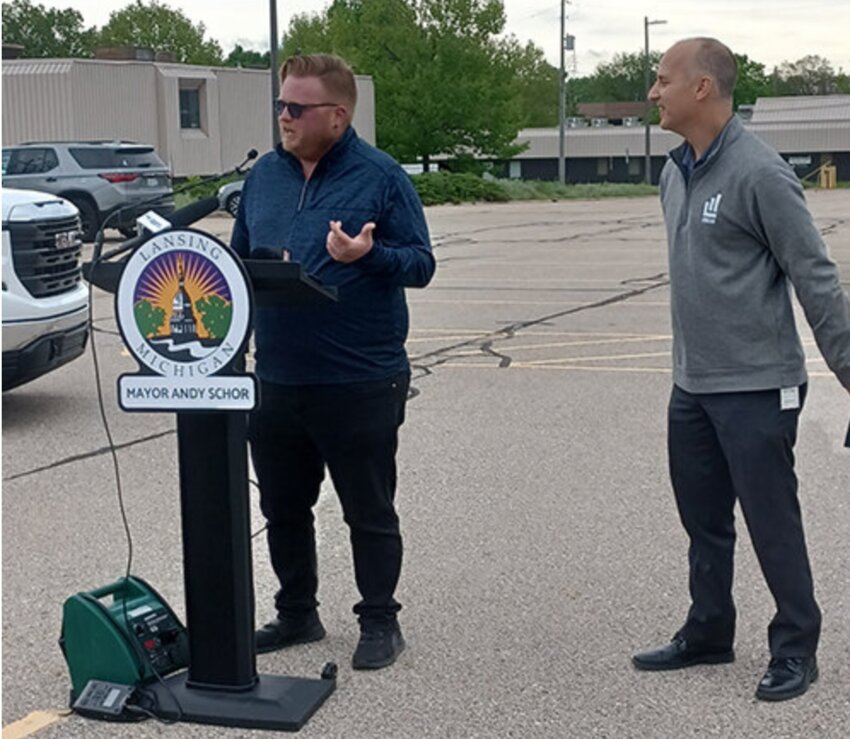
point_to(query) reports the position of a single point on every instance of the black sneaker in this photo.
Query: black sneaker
(379, 646)
(289, 630)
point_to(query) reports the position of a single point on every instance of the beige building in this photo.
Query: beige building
(201, 120)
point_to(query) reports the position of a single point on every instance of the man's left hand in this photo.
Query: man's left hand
(344, 248)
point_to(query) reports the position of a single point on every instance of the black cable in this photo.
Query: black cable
(109, 438)
(114, 454)
(265, 527)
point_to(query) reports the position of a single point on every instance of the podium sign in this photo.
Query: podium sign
(183, 302)
(183, 306)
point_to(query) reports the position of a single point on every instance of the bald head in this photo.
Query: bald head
(713, 59)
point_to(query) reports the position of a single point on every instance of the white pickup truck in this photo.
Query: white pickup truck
(45, 302)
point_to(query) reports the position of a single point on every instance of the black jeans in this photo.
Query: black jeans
(724, 446)
(353, 430)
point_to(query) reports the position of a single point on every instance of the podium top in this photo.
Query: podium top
(285, 283)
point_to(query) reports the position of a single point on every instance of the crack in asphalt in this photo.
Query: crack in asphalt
(423, 364)
(88, 455)
(620, 224)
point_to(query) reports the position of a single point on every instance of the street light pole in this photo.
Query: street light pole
(273, 67)
(647, 169)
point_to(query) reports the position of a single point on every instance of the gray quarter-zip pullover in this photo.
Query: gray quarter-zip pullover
(738, 231)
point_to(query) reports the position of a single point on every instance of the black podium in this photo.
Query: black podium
(221, 685)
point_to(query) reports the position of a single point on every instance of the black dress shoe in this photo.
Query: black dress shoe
(678, 654)
(787, 678)
(288, 630)
(379, 646)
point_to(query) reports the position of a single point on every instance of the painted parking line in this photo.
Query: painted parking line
(415, 300)
(32, 723)
(598, 358)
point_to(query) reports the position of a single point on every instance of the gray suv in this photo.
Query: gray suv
(99, 177)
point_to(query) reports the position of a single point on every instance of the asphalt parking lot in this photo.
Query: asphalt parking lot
(542, 546)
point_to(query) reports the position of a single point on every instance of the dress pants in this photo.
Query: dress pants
(724, 446)
(351, 429)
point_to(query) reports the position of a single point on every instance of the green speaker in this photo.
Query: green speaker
(128, 640)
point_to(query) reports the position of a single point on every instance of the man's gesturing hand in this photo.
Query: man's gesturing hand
(344, 248)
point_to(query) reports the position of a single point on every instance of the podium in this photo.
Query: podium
(221, 685)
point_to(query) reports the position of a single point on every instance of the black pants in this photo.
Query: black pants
(353, 429)
(725, 446)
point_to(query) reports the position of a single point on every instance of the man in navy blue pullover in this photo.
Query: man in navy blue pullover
(739, 237)
(333, 380)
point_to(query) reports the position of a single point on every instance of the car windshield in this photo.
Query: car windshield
(136, 157)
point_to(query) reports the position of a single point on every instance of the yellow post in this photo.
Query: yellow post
(828, 177)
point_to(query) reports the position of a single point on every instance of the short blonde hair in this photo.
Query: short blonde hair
(333, 71)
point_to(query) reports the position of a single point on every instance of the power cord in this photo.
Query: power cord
(120, 492)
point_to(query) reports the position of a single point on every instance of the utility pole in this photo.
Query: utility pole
(647, 169)
(562, 86)
(273, 67)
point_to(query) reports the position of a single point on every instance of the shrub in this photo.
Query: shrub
(435, 188)
(197, 191)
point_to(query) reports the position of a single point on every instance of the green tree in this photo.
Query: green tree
(539, 88)
(156, 26)
(622, 79)
(240, 57)
(47, 32)
(445, 82)
(811, 75)
(216, 315)
(753, 81)
(149, 318)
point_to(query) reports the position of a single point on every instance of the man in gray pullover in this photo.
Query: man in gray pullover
(738, 232)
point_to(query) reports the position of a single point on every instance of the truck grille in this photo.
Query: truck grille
(47, 255)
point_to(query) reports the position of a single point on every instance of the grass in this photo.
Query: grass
(545, 190)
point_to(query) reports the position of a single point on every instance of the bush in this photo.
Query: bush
(197, 191)
(547, 190)
(435, 188)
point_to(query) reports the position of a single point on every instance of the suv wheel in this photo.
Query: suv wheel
(232, 204)
(89, 221)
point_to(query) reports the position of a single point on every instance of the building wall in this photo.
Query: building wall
(587, 169)
(824, 136)
(78, 99)
(82, 99)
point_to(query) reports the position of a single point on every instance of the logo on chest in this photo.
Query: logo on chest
(710, 209)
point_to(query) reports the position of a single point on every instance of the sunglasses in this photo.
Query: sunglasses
(296, 110)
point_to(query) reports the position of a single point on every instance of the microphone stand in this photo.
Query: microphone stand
(99, 237)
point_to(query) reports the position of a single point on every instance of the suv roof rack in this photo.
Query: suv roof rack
(79, 141)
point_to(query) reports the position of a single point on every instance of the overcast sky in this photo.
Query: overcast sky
(768, 31)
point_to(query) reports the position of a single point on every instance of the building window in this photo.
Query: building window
(602, 166)
(515, 169)
(191, 95)
(634, 166)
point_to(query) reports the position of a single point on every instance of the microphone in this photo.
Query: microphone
(98, 241)
(179, 218)
(250, 156)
